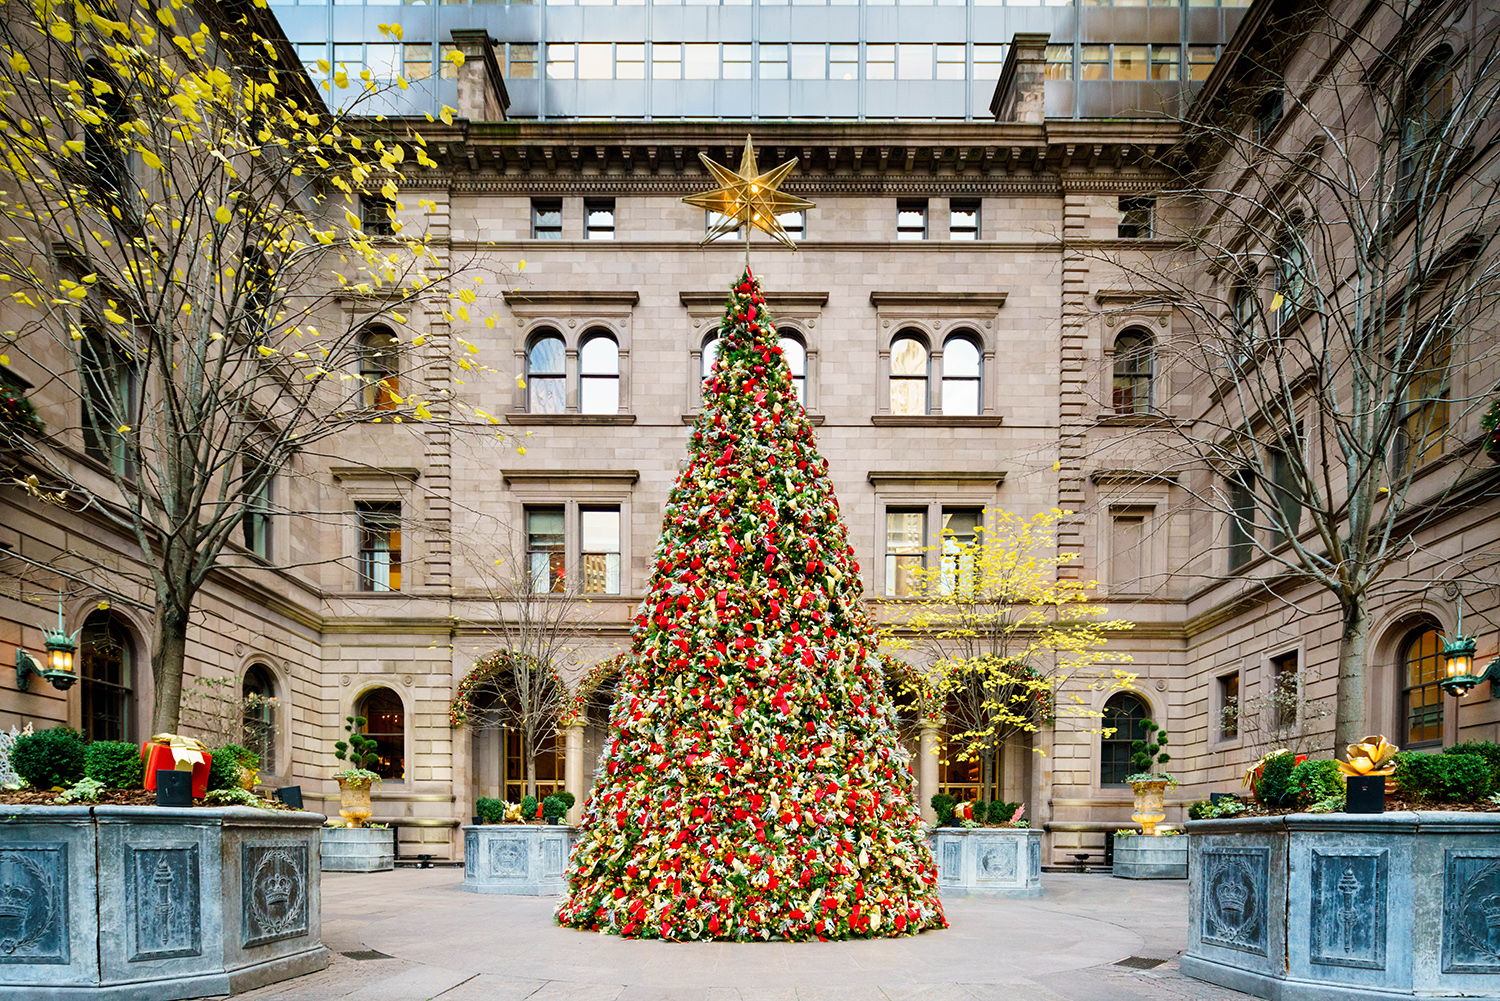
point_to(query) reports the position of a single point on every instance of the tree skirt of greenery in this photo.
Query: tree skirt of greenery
(752, 784)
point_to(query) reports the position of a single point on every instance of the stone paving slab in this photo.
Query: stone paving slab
(446, 945)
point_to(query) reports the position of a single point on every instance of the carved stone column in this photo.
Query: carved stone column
(927, 770)
(573, 769)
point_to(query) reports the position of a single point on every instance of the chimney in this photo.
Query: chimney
(1021, 92)
(481, 87)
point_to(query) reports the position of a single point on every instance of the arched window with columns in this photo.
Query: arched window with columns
(1123, 714)
(1421, 675)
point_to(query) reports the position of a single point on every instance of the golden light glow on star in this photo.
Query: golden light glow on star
(749, 197)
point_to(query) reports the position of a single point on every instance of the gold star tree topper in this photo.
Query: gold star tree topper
(749, 197)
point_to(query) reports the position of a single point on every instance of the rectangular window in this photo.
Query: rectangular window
(377, 215)
(630, 61)
(911, 219)
(447, 69)
(880, 62)
(713, 219)
(600, 550)
(546, 550)
(1059, 64)
(1229, 706)
(960, 532)
(1201, 59)
(383, 60)
(773, 62)
(417, 61)
(1268, 113)
(1424, 426)
(905, 536)
(1287, 496)
(1241, 518)
(255, 525)
(963, 219)
(108, 391)
(379, 545)
(560, 61)
(1165, 60)
(595, 61)
(1129, 63)
(522, 62)
(736, 61)
(1137, 217)
(309, 53)
(700, 61)
(666, 61)
(809, 62)
(1284, 684)
(599, 219)
(546, 219)
(988, 61)
(914, 62)
(1127, 543)
(1093, 62)
(795, 224)
(950, 62)
(843, 62)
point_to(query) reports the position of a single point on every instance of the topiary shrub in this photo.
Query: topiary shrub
(50, 758)
(568, 799)
(1316, 781)
(943, 805)
(223, 770)
(115, 763)
(1274, 788)
(1486, 749)
(1454, 778)
(528, 808)
(553, 807)
(1001, 811)
(490, 810)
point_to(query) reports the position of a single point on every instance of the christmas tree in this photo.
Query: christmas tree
(752, 785)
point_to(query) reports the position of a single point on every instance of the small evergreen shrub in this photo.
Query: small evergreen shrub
(1274, 788)
(979, 810)
(1316, 781)
(528, 808)
(568, 799)
(1453, 778)
(944, 805)
(1486, 749)
(490, 810)
(553, 808)
(49, 758)
(1001, 811)
(223, 770)
(1198, 810)
(115, 763)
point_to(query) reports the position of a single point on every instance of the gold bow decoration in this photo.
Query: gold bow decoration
(187, 753)
(1371, 756)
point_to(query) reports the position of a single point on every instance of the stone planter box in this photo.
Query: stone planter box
(358, 849)
(154, 904)
(1164, 856)
(524, 859)
(988, 861)
(1346, 906)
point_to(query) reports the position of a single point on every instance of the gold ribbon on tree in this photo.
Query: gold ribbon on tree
(187, 753)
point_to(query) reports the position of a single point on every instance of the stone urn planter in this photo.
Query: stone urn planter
(988, 861)
(1149, 808)
(1330, 906)
(1161, 856)
(358, 849)
(354, 800)
(523, 859)
(144, 902)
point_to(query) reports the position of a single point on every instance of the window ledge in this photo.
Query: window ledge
(1133, 420)
(692, 418)
(587, 420)
(935, 421)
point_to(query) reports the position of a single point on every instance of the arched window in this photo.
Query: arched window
(961, 368)
(1242, 305)
(546, 376)
(1132, 388)
(1429, 99)
(710, 354)
(599, 375)
(385, 723)
(1421, 694)
(1293, 268)
(106, 666)
(258, 694)
(378, 368)
(1124, 713)
(104, 142)
(795, 353)
(909, 364)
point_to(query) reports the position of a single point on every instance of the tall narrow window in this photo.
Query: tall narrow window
(1429, 101)
(1424, 422)
(255, 525)
(963, 219)
(601, 550)
(710, 354)
(599, 375)
(546, 549)
(1241, 518)
(960, 532)
(1137, 217)
(911, 219)
(377, 215)
(378, 354)
(961, 376)
(108, 387)
(106, 667)
(1292, 274)
(1286, 495)
(546, 379)
(905, 537)
(1284, 690)
(712, 221)
(1229, 706)
(1242, 305)
(385, 723)
(908, 377)
(258, 694)
(105, 144)
(795, 354)
(379, 545)
(1421, 694)
(1127, 543)
(599, 219)
(1132, 373)
(1059, 64)
(1123, 715)
(546, 219)
(1268, 114)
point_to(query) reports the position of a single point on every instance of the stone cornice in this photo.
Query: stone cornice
(512, 476)
(966, 301)
(907, 477)
(713, 300)
(341, 473)
(1123, 476)
(591, 300)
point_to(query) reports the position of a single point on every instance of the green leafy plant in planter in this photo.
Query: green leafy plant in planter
(233, 767)
(1149, 786)
(1317, 783)
(17, 415)
(528, 809)
(490, 810)
(944, 806)
(355, 781)
(85, 790)
(557, 805)
(1455, 778)
(116, 763)
(49, 759)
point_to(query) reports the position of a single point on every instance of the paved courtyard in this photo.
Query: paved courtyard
(430, 940)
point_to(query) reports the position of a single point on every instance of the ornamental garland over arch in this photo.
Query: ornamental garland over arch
(574, 711)
(485, 669)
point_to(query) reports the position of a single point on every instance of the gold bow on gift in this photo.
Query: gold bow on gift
(1370, 757)
(186, 752)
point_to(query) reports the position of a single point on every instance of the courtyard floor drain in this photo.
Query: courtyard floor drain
(1134, 962)
(367, 954)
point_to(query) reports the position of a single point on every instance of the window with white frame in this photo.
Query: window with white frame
(600, 549)
(546, 375)
(909, 375)
(546, 549)
(599, 375)
(379, 545)
(961, 376)
(795, 353)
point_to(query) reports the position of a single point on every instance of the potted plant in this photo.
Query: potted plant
(356, 780)
(1149, 786)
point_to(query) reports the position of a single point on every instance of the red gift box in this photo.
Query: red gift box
(160, 756)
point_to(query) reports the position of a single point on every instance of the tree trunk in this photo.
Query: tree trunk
(986, 772)
(1350, 725)
(168, 654)
(530, 771)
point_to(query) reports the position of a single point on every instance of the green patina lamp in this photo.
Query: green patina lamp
(57, 670)
(1458, 663)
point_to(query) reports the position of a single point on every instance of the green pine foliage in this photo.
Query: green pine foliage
(528, 809)
(1452, 778)
(360, 751)
(752, 785)
(1146, 754)
(1001, 812)
(944, 805)
(115, 763)
(490, 810)
(1316, 781)
(223, 770)
(1274, 788)
(50, 758)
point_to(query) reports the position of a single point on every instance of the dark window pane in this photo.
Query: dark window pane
(385, 723)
